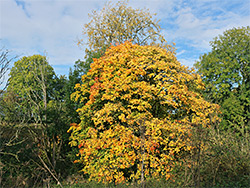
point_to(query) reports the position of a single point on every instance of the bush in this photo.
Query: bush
(220, 159)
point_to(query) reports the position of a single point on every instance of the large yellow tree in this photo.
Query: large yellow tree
(139, 104)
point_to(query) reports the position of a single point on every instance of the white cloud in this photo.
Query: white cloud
(51, 26)
(181, 52)
(201, 21)
(187, 61)
(194, 24)
(35, 26)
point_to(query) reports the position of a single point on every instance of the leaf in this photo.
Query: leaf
(132, 117)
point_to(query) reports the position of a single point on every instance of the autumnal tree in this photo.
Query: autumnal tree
(80, 68)
(114, 24)
(117, 23)
(226, 73)
(138, 106)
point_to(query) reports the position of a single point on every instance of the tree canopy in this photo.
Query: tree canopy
(30, 80)
(117, 23)
(139, 104)
(226, 73)
(28, 73)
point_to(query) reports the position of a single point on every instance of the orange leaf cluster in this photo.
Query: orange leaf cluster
(140, 104)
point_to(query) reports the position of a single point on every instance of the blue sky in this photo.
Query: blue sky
(29, 27)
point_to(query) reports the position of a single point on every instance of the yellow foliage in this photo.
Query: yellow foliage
(139, 106)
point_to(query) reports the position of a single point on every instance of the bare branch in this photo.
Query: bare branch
(50, 171)
(5, 61)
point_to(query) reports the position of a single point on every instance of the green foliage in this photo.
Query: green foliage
(226, 72)
(35, 99)
(27, 74)
(31, 81)
(10, 111)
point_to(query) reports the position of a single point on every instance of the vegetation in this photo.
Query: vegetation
(137, 118)
(226, 73)
(34, 102)
(118, 23)
(138, 101)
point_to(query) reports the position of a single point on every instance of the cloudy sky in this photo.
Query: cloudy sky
(29, 27)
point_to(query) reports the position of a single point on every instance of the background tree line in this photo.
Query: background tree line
(178, 137)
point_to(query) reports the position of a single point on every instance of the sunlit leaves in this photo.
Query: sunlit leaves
(139, 104)
(117, 23)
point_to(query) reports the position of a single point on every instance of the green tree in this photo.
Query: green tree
(38, 99)
(226, 72)
(30, 79)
